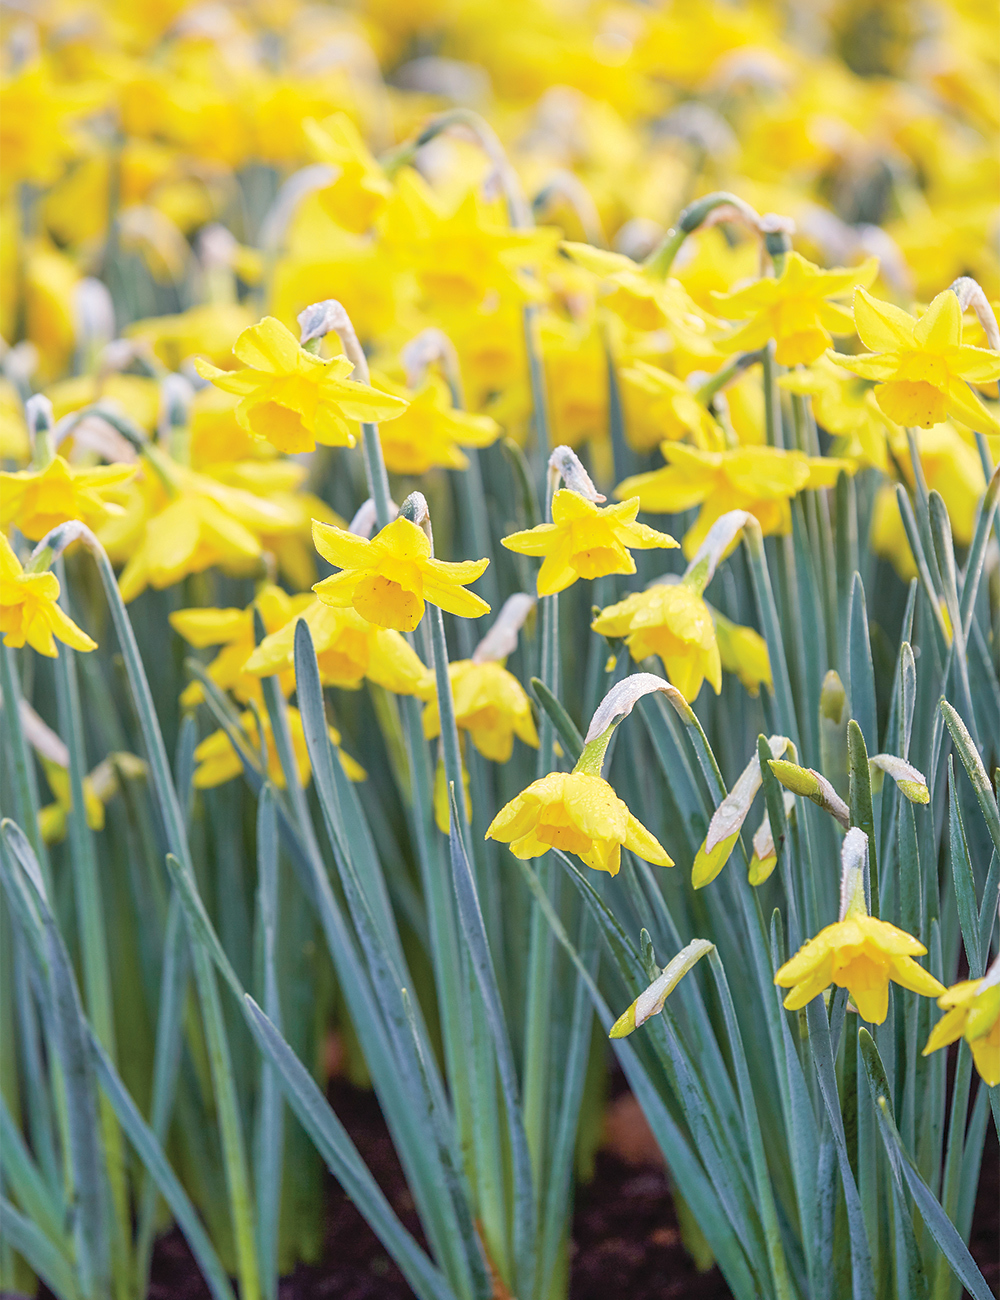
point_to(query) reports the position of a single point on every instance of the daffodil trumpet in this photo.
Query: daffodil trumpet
(858, 952)
(579, 812)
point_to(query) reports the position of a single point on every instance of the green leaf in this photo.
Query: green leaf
(936, 1221)
(861, 803)
(341, 1156)
(269, 1136)
(862, 1277)
(563, 723)
(478, 947)
(973, 764)
(38, 1251)
(861, 671)
(63, 1014)
(965, 884)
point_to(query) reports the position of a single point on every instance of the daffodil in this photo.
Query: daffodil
(14, 443)
(658, 406)
(388, 579)
(292, 398)
(37, 500)
(348, 649)
(431, 431)
(460, 256)
(490, 704)
(233, 629)
(645, 301)
(218, 762)
(177, 522)
(972, 1012)
(846, 408)
(585, 541)
(921, 366)
(30, 611)
(578, 813)
(52, 818)
(761, 480)
(670, 620)
(743, 652)
(793, 309)
(207, 331)
(360, 191)
(858, 952)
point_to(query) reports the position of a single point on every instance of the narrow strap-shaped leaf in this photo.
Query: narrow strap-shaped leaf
(39, 1251)
(965, 883)
(861, 671)
(909, 1265)
(937, 1222)
(973, 764)
(23, 1177)
(341, 1156)
(977, 551)
(988, 908)
(780, 1280)
(771, 624)
(150, 1152)
(560, 719)
(862, 1278)
(944, 549)
(65, 1013)
(861, 803)
(474, 930)
(269, 1136)
(695, 1186)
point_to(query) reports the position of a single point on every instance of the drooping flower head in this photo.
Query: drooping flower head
(294, 399)
(921, 366)
(579, 811)
(218, 760)
(29, 609)
(972, 1012)
(348, 649)
(388, 579)
(760, 480)
(585, 540)
(37, 500)
(859, 952)
(793, 309)
(672, 621)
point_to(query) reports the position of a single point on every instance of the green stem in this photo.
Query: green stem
(25, 784)
(772, 400)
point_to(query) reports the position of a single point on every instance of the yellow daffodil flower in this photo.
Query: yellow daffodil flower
(743, 652)
(658, 406)
(859, 952)
(972, 1012)
(197, 523)
(37, 500)
(29, 609)
(761, 480)
(14, 443)
(670, 620)
(233, 629)
(846, 408)
(388, 578)
(643, 301)
(292, 398)
(585, 541)
(361, 190)
(348, 649)
(431, 431)
(490, 704)
(578, 813)
(52, 818)
(219, 762)
(793, 310)
(207, 331)
(459, 257)
(921, 366)
(50, 282)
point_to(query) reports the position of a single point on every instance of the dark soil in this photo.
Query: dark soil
(626, 1239)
